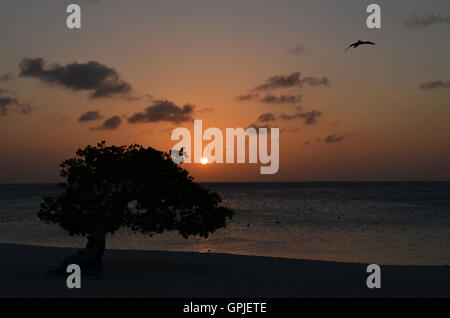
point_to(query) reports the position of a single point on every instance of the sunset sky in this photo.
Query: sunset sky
(372, 113)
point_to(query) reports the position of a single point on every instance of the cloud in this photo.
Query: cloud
(8, 103)
(109, 124)
(271, 98)
(163, 110)
(282, 99)
(291, 80)
(297, 48)
(263, 118)
(416, 21)
(90, 116)
(310, 117)
(249, 96)
(434, 84)
(6, 77)
(266, 117)
(337, 138)
(99, 79)
(334, 138)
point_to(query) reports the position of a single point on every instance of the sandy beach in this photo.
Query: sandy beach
(133, 273)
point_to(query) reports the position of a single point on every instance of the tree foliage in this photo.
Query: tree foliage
(134, 187)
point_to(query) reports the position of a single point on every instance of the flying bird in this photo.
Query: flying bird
(356, 44)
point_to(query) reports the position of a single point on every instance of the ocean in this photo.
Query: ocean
(398, 223)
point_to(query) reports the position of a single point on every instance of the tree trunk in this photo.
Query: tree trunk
(90, 259)
(95, 246)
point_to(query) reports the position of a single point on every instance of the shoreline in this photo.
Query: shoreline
(81, 246)
(166, 274)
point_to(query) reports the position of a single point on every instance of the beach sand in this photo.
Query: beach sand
(132, 273)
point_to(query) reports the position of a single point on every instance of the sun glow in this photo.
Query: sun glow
(204, 160)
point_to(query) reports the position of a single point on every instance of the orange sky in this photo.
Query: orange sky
(207, 54)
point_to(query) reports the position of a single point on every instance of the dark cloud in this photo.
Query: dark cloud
(6, 77)
(263, 118)
(109, 124)
(334, 138)
(309, 117)
(5, 104)
(90, 116)
(163, 110)
(266, 117)
(282, 99)
(8, 103)
(99, 79)
(435, 84)
(297, 48)
(271, 98)
(337, 138)
(428, 20)
(247, 96)
(291, 80)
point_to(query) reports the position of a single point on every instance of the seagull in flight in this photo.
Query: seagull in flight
(356, 44)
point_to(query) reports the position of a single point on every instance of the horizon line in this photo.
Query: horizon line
(296, 181)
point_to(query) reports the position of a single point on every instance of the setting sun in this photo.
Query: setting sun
(204, 160)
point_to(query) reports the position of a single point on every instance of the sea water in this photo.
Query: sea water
(370, 222)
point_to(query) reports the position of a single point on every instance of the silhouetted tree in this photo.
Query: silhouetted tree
(109, 187)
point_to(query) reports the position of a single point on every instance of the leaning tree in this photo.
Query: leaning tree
(109, 187)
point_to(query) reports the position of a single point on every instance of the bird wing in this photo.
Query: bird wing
(368, 42)
(352, 45)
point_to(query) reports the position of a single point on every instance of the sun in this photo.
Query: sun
(204, 160)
